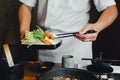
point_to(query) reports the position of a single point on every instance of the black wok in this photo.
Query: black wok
(98, 66)
(67, 72)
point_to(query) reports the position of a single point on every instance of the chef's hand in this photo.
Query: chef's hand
(22, 32)
(85, 37)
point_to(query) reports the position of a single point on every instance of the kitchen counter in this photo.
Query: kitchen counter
(28, 75)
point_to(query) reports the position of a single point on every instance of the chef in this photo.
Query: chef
(61, 16)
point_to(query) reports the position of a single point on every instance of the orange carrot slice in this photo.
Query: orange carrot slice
(47, 34)
(46, 42)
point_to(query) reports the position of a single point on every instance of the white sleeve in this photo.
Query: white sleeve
(30, 3)
(102, 4)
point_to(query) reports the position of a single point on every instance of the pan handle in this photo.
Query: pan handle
(101, 60)
(8, 55)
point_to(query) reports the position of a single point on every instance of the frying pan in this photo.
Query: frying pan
(99, 67)
(67, 72)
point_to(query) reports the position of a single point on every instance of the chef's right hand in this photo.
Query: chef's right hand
(86, 37)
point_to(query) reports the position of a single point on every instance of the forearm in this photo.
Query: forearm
(107, 18)
(24, 18)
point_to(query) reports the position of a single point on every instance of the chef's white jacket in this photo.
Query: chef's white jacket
(67, 16)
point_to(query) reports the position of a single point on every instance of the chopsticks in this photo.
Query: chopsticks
(63, 35)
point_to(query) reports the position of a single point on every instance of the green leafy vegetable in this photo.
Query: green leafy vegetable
(34, 36)
(38, 33)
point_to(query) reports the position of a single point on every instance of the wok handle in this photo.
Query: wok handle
(8, 55)
(107, 60)
(86, 59)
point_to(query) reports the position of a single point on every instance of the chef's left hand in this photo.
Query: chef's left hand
(89, 36)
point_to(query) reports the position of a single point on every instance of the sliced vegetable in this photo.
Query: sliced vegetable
(38, 33)
(47, 34)
(45, 41)
(53, 37)
(28, 35)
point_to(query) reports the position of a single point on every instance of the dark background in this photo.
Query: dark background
(107, 42)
